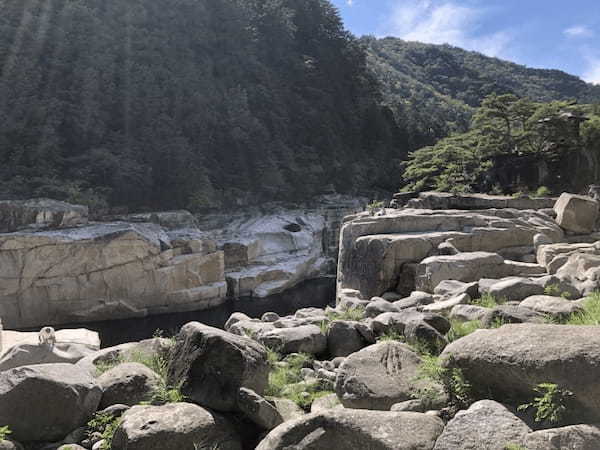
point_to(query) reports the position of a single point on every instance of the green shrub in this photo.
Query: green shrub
(459, 329)
(4, 432)
(106, 365)
(542, 191)
(590, 314)
(286, 381)
(551, 405)
(488, 301)
(356, 314)
(374, 206)
(391, 335)
(455, 385)
(106, 425)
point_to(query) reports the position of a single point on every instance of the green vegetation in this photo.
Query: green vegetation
(460, 329)
(106, 425)
(4, 432)
(157, 362)
(542, 191)
(514, 447)
(245, 101)
(286, 381)
(555, 291)
(590, 314)
(516, 133)
(551, 405)
(488, 301)
(455, 385)
(355, 314)
(374, 206)
(391, 335)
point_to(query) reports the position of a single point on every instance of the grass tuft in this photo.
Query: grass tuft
(459, 329)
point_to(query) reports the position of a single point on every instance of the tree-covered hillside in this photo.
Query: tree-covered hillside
(187, 103)
(436, 87)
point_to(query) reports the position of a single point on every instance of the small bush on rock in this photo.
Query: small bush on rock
(105, 424)
(542, 191)
(286, 381)
(374, 206)
(453, 381)
(514, 447)
(391, 335)
(4, 432)
(551, 405)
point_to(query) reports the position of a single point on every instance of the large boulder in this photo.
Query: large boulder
(556, 307)
(510, 361)
(485, 425)
(28, 354)
(379, 376)
(344, 338)
(102, 272)
(582, 271)
(573, 437)
(212, 365)
(258, 410)
(576, 213)
(40, 213)
(466, 267)
(515, 289)
(46, 402)
(302, 339)
(128, 384)
(511, 313)
(346, 428)
(174, 426)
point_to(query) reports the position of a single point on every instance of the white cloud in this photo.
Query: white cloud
(578, 31)
(444, 22)
(350, 2)
(592, 74)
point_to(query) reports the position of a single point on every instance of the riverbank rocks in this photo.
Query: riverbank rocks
(40, 213)
(556, 307)
(258, 410)
(379, 376)
(127, 383)
(510, 361)
(46, 402)
(174, 426)
(28, 354)
(212, 365)
(102, 272)
(574, 437)
(300, 339)
(576, 213)
(344, 428)
(485, 425)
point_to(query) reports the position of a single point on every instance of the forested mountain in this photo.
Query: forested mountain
(187, 103)
(435, 88)
(210, 103)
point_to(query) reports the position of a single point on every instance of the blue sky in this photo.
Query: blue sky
(556, 34)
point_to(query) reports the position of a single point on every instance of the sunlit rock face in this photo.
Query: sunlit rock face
(105, 271)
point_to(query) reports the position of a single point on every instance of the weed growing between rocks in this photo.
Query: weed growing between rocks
(459, 329)
(105, 424)
(286, 380)
(488, 301)
(455, 385)
(551, 405)
(514, 447)
(4, 432)
(590, 314)
(391, 335)
(355, 314)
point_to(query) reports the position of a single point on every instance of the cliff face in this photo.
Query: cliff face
(55, 271)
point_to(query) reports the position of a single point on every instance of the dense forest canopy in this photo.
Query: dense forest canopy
(187, 103)
(210, 103)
